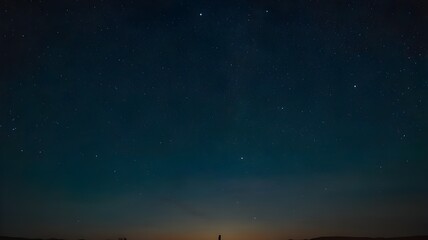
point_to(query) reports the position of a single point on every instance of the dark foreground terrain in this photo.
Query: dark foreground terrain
(318, 238)
(370, 238)
(19, 238)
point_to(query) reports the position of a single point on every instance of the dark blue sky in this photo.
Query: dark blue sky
(182, 120)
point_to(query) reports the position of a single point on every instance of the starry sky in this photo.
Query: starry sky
(257, 120)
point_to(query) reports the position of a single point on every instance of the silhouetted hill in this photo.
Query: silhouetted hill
(369, 238)
(318, 238)
(19, 238)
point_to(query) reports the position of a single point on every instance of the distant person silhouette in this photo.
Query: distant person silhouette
(219, 237)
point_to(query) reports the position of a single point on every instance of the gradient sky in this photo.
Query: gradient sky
(182, 120)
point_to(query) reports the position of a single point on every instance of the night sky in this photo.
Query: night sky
(182, 120)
